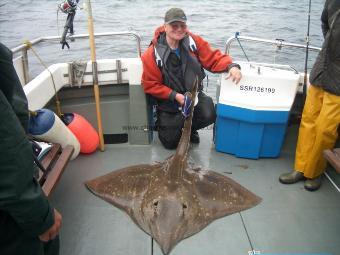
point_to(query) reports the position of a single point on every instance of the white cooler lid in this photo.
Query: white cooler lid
(261, 88)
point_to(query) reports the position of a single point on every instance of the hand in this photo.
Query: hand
(180, 99)
(234, 74)
(53, 231)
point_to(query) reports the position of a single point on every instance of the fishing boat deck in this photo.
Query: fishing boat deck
(289, 220)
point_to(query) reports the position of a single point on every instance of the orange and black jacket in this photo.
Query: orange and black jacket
(154, 80)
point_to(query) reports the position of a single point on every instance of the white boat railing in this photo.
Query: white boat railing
(279, 43)
(23, 48)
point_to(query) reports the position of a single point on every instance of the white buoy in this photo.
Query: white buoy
(47, 126)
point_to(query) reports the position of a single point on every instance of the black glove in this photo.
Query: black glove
(186, 106)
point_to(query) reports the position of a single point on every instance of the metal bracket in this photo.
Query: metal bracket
(119, 71)
(76, 72)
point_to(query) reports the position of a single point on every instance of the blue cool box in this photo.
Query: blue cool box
(250, 133)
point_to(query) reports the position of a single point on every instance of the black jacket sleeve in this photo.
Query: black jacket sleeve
(324, 21)
(20, 195)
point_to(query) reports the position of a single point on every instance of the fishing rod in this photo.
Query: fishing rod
(304, 92)
(95, 74)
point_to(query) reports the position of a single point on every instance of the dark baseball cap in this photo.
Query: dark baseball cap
(175, 14)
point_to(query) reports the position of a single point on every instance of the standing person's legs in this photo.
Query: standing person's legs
(318, 131)
(306, 135)
(307, 130)
(326, 134)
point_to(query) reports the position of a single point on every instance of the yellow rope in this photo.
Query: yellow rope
(30, 46)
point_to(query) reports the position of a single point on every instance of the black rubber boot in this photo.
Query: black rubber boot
(313, 184)
(292, 177)
(194, 137)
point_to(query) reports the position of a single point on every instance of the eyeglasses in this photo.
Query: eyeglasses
(176, 26)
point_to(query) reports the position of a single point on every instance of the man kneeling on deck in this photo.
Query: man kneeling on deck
(170, 66)
(321, 114)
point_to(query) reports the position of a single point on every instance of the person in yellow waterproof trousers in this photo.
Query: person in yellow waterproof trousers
(321, 115)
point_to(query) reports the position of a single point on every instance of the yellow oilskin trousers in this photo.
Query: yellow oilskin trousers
(318, 131)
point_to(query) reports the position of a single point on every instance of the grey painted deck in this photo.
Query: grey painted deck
(289, 219)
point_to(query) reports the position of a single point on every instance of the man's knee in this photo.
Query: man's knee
(169, 126)
(169, 141)
(209, 115)
(205, 113)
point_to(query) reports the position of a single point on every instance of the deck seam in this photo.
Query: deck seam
(332, 182)
(245, 228)
(151, 246)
